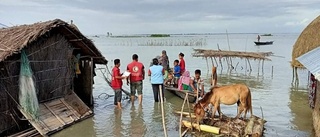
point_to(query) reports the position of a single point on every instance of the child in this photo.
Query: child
(116, 83)
(182, 64)
(176, 71)
(169, 80)
(197, 83)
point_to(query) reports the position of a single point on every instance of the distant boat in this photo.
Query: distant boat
(263, 43)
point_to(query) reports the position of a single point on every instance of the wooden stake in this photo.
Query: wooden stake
(162, 113)
(180, 125)
(249, 64)
(259, 68)
(212, 61)
(207, 66)
(216, 61)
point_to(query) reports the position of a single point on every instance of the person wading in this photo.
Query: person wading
(136, 77)
(156, 72)
(116, 83)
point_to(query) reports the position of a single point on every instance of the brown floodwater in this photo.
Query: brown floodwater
(284, 107)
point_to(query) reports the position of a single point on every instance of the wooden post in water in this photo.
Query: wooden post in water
(212, 61)
(162, 113)
(259, 68)
(216, 61)
(249, 64)
(207, 66)
(262, 66)
(180, 125)
(272, 72)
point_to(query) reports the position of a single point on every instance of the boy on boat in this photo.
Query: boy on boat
(197, 83)
(182, 64)
(116, 83)
(176, 71)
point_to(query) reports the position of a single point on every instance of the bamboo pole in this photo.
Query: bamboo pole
(162, 113)
(180, 125)
(206, 128)
(207, 66)
(259, 68)
(249, 64)
(262, 66)
(212, 61)
(189, 108)
(216, 61)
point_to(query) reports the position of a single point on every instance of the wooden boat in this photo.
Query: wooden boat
(263, 43)
(182, 93)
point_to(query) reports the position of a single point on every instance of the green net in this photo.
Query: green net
(27, 92)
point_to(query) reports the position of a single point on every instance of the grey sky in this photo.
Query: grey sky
(166, 16)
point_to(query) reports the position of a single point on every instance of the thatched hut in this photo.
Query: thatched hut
(62, 60)
(308, 40)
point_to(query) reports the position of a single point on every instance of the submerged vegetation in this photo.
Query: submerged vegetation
(267, 34)
(159, 35)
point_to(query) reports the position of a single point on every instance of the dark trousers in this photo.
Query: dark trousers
(117, 96)
(156, 92)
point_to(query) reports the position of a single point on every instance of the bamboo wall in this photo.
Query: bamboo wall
(316, 111)
(53, 69)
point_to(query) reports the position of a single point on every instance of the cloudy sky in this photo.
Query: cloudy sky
(166, 16)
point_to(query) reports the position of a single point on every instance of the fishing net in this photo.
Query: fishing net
(27, 92)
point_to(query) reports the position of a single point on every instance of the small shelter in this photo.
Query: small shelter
(228, 55)
(309, 40)
(62, 61)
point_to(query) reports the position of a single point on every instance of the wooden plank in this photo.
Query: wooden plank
(75, 102)
(34, 123)
(77, 115)
(60, 120)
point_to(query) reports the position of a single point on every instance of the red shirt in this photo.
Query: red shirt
(136, 69)
(182, 65)
(116, 83)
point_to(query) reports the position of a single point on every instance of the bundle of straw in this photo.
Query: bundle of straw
(27, 92)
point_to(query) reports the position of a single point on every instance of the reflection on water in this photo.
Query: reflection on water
(117, 123)
(137, 124)
(286, 110)
(301, 112)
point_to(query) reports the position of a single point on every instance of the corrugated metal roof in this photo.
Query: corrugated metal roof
(311, 60)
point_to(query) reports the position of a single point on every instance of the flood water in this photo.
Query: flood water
(285, 108)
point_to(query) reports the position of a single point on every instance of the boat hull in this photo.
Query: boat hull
(182, 94)
(263, 43)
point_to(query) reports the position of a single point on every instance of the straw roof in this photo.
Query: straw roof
(13, 39)
(232, 54)
(308, 40)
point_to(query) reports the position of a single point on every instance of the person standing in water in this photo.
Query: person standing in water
(156, 72)
(258, 38)
(116, 83)
(182, 64)
(136, 77)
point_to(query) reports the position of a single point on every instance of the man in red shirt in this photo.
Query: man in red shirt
(182, 64)
(116, 83)
(136, 77)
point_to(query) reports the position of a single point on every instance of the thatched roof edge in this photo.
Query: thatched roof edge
(14, 39)
(308, 40)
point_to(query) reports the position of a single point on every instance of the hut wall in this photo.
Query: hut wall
(84, 81)
(50, 60)
(316, 111)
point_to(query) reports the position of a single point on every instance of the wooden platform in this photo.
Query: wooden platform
(58, 114)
